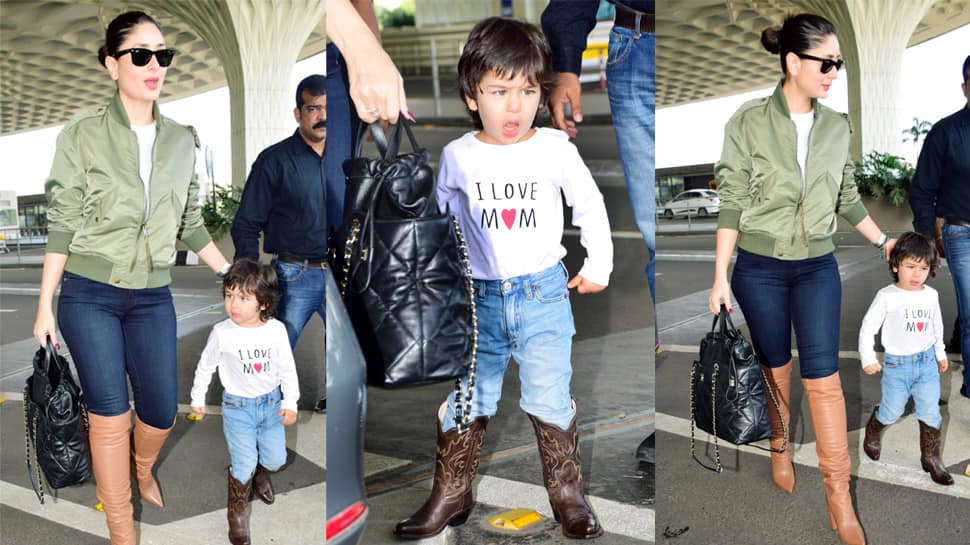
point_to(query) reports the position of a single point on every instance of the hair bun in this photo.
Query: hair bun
(771, 40)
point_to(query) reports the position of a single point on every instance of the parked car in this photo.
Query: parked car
(346, 413)
(696, 202)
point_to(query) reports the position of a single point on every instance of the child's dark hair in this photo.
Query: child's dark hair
(913, 246)
(118, 29)
(258, 279)
(799, 34)
(506, 47)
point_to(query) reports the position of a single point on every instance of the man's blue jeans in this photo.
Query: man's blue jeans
(916, 375)
(254, 433)
(956, 243)
(630, 79)
(116, 335)
(528, 318)
(302, 293)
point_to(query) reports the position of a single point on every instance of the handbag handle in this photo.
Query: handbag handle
(387, 149)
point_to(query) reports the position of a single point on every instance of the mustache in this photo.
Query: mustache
(320, 125)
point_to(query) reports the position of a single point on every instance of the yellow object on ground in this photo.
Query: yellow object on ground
(192, 417)
(99, 507)
(515, 519)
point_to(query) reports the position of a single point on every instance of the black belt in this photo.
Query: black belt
(293, 258)
(625, 18)
(953, 220)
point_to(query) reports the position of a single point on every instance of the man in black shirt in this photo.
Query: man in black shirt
(941, 188)
(285, 199)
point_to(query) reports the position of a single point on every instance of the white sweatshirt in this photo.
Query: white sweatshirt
(252, 361)
(911, 322)
(508, 201)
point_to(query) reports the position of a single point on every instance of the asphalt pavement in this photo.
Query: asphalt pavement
(897, 502)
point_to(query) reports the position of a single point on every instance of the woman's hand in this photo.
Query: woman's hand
(888, 248)
(45, 325)
(377, 88)
(720, 295)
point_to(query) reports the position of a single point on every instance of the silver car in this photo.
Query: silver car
(694, 202)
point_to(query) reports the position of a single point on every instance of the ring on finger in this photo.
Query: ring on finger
(373, 111)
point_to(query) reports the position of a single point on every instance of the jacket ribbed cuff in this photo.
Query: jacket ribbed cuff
(197, 239)
(58, 242)
(728, 218)
(855, 213)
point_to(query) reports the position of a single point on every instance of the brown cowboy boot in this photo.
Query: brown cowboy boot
(872, 444)
(929, 446)
(237, 510)
(262, 486)
(827, 407)
(561, 474)
(110, 455)
(782, 471)
(456, 463)
(146, 443)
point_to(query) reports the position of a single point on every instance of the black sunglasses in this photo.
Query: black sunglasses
(827, 64)
(141, 57)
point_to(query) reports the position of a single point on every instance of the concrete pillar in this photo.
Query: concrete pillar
(873, 35)
(258, 42)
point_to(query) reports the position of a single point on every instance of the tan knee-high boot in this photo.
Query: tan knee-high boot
(110, 459)
(451, 499)
(827, 407)
(782, 472)
(146, 442)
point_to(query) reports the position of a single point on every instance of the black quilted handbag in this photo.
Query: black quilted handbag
(727, 390)
(403, 269)
(56, 424)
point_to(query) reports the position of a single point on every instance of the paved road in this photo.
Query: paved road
(897, 502)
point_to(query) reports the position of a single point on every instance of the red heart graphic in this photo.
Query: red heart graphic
(508, 216)
(258, 367)
(919, 326)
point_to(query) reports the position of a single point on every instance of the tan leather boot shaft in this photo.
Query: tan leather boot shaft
(110, 460)
(827, 407)
(782, 471)
(146, 443)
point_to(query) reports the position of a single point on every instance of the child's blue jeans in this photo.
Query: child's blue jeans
(916, 375)
(529, 318)
(254, 433)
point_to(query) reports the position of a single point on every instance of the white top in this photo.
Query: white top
(803, 127)
(145, 134)
(508, 201)
(911, 322)
(252, 361)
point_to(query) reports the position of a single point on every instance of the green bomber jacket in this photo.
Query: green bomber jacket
(760, 183)
(96, 205)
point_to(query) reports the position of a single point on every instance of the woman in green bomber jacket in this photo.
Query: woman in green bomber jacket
(784, 173)
(121, 189)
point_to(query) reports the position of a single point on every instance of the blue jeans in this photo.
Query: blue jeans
(916, 375)
(116, 335)
(301, 290)
(776, 294)
(529, 318)
(254, 433)
(630, 77)
(956, 243)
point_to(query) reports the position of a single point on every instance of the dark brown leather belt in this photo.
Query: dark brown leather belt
(625, 18)
(293, 258)
(953, 220)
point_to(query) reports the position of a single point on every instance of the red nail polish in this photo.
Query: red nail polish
(57, 346)
(410, 117)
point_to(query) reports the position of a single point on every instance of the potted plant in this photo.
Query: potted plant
(219, 212)
(884, 175)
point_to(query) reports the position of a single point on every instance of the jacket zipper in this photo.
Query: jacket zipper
(146, 204)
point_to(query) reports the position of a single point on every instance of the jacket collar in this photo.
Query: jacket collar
(116, 110)
(779, 102)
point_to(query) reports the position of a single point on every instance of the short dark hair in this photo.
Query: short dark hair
(506, 47)
(913, 246)
(258, 279)
(966, 69)
(118, 29)
(316, 85)
(798, 34)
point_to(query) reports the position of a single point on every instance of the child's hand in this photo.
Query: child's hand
(584, 286)
(872, 368)
(289, 417)
(944, 365)
(199, 411)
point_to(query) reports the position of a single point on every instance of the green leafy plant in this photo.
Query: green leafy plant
(884, 175)
(219, 211)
